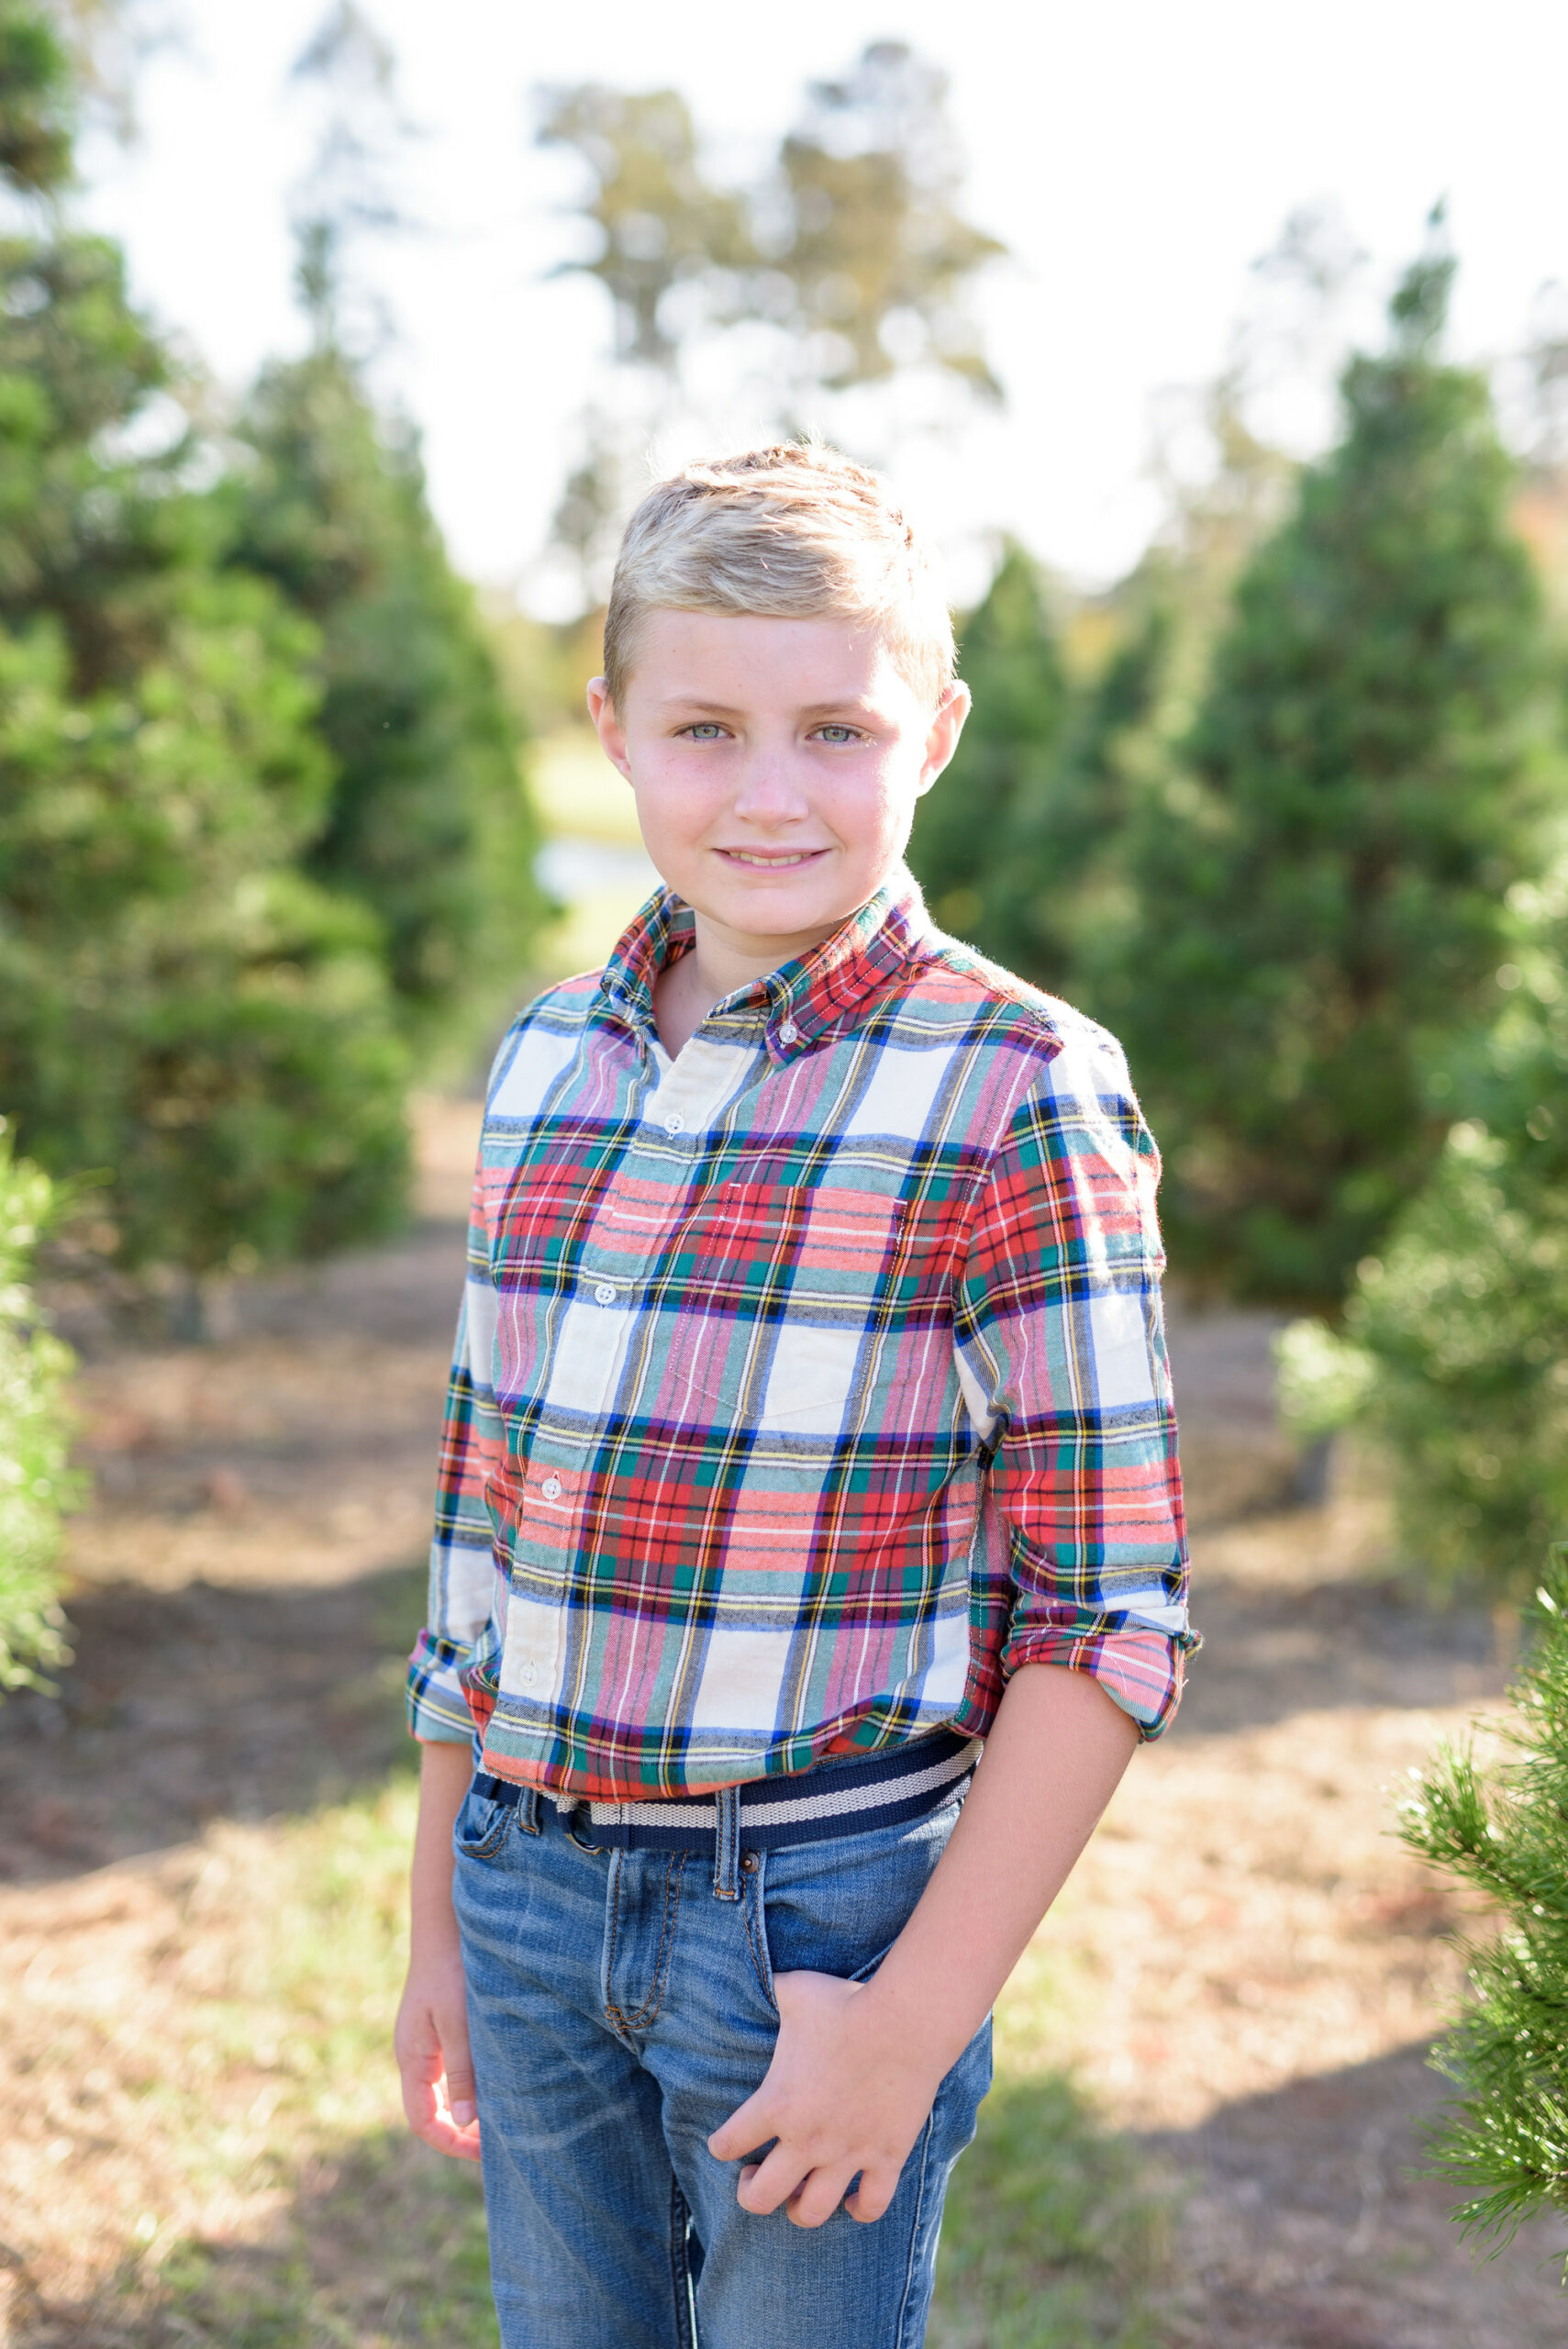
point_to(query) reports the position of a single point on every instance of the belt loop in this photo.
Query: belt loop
(527, 1804)
(727, 1845)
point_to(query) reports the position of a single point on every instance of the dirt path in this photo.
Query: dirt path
(1247, 1969)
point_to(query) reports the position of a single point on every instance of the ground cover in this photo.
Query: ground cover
(1210, 2066)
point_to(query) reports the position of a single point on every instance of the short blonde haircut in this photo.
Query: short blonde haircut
(796, 531)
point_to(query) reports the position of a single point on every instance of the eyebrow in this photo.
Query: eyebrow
(856, 702)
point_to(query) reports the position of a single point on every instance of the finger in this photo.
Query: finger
(770, 2185)
(815, 2200)
(878, 2185)
(747, 2128)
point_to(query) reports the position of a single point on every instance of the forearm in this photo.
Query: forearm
(445, 1771)
(1056, 1751)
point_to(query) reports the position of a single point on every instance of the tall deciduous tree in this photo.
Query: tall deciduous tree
(846, 264)
(1322, 880)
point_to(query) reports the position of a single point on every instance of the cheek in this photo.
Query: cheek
(673, 800)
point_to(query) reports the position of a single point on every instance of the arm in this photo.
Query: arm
(430, 2037)
(431, 2033)
(857, 2065)
(1080, 1596)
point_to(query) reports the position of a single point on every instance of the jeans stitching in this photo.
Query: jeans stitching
(900, 2336)
(487, 1845)
(762, 1959)
(680, 2265)
(648, 2011)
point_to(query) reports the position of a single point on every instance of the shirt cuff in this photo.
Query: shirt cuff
(1139, 1671)
(437, 1706)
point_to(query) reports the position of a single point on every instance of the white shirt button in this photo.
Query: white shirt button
(604, 1293)
(789, 1034)
(551, 1488)
(528, 1675)
(674, 1123)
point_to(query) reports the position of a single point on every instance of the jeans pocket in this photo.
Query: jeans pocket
(837, 1906)
(481, 1826)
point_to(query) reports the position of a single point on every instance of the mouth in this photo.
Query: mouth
(762, 859)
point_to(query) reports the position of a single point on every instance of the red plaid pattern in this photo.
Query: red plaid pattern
(804, 1386)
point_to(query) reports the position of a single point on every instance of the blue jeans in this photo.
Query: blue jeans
(620, 2011)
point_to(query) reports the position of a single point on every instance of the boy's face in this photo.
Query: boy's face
(776, 764)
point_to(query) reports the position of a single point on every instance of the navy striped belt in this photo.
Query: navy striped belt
(835, 1797)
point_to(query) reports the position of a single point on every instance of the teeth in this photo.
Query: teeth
(742, 857)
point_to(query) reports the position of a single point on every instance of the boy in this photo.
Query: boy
(809, 1426)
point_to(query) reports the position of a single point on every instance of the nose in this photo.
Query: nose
(769, 792)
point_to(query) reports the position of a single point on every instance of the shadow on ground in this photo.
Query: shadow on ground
(381, 2243)
(1309, 2225)
(195, 1704)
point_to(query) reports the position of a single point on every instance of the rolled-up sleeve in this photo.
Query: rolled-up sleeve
(463, 1574)
(1062, 1348)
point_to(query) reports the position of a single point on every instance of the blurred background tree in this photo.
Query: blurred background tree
(1454, 1347)
(1011, 659)
(36, 1485)
(845, 267)
(1322, 879)
(264, 823)
(179, 1007)
(427, 820)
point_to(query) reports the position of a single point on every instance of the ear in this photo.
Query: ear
(946, 728)
(607, 726)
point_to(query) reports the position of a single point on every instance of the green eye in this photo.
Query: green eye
(705, 730)
(838, 733)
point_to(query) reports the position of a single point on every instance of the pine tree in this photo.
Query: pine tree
(1504, 2146)
(36, 1483)
(1322, 880)
(180, 1008)
(1056, 900)
(428, 821)
(1012, 663)
(1455, 1351)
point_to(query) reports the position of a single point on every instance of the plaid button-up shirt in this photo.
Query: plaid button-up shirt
(805, 1384)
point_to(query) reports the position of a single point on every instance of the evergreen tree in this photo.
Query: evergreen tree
(427, 820)
(1504, 2146)
(1056, 904)
(1010, 660)
(178, 1007)
(1321, 883)
(1455, 1351)
(36, 1485)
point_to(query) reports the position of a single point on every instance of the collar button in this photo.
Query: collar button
(789, 1034)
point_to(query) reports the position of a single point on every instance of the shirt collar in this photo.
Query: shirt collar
(798, 1001)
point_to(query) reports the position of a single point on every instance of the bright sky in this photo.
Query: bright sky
(1135, 156)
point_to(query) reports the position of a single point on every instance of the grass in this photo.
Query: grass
(267, 2196)
(1055, 2237)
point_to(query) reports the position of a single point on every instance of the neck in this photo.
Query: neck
(720, 961)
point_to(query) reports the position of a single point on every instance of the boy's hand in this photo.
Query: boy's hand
(431, 2042)
(844, 2093)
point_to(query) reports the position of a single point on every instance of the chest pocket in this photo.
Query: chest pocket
(786, 1292)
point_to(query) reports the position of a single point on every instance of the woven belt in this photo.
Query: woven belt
(835, 1797)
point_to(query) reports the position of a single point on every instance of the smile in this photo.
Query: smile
(770, 860)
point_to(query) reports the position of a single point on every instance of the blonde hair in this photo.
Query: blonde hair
(793, 531)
